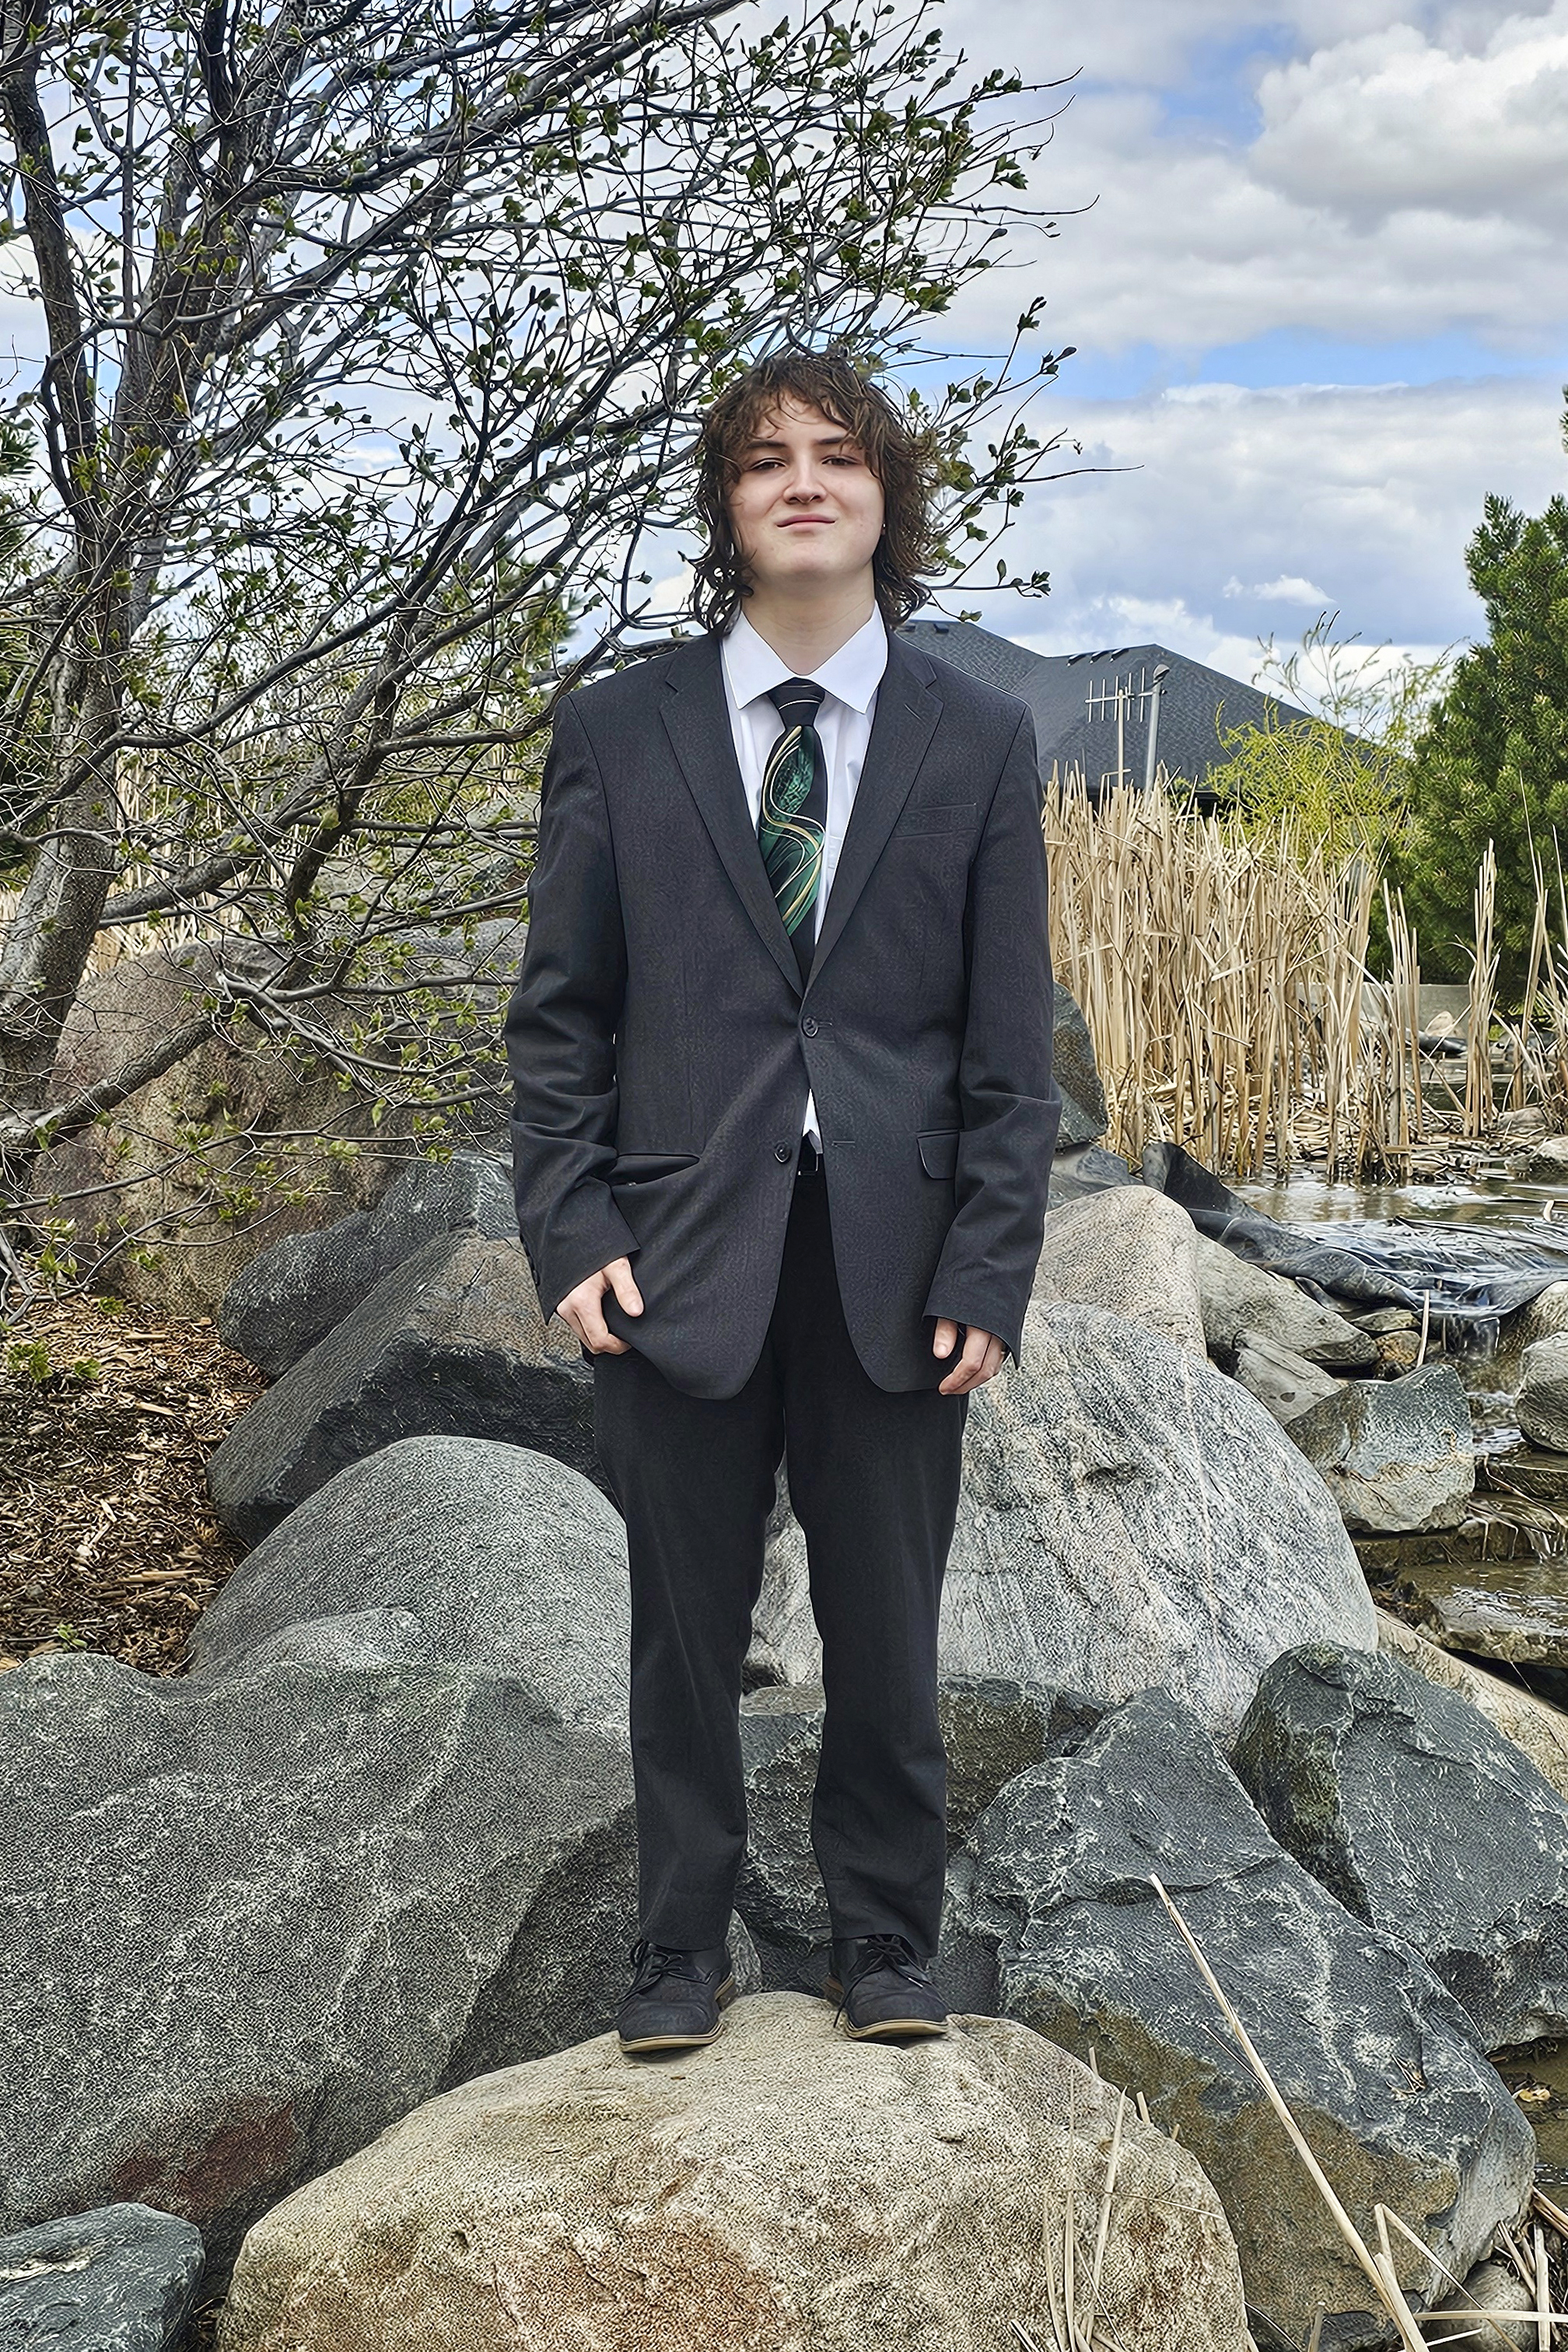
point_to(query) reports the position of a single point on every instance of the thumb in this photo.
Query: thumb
(946, 1334)
(627, 1296)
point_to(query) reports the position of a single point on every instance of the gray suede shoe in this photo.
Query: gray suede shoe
(675, 1998)
(884, 1992)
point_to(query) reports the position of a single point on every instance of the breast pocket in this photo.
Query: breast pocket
(935, 817)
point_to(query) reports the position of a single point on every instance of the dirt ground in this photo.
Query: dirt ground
(107, 1541)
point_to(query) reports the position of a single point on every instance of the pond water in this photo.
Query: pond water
(1496, 1220)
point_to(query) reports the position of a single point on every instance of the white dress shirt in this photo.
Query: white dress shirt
(850, 678)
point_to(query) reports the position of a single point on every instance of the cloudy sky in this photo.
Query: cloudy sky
(1320, 305)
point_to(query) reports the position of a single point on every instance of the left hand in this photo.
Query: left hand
(980, 1360)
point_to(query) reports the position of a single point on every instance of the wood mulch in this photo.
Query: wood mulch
(107, 1540)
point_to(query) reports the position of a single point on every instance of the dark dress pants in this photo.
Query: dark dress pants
(873, 1479)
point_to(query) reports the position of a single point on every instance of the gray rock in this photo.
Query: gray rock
(1130, 1251)
(1542, 1407)
(1084, 1114)
(1536, 1472)
(1378, 2061)
(1545, 1314)
(1128, 1516)
(279, 1908)
(454, 1548)
(1381, 1320)
(1495, 2289)
(1080, 1169)
(1511, 1609)
(991, 1730)
(1529, 1723)
(1397, 1456)
(1547, 1162)
(1419, 1817)
(1239, 1296)
(294, 1293)
(1284, 1384)
(450, 1343)
(121, 2279)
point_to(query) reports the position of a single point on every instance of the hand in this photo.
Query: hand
(583, 1310)
(980, 1360)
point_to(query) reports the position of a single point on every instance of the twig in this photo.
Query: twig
(1382, 2276)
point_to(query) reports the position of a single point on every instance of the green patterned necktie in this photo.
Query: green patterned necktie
(793, 817)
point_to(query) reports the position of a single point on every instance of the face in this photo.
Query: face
(806, 508)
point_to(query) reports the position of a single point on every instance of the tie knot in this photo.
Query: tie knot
(797, 700)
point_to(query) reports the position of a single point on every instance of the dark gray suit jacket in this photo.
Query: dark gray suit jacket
(661, 1046)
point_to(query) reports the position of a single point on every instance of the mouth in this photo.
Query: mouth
(798, 522)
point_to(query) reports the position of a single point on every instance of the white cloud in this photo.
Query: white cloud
(1402, 175)
(1372, 493)
(1401, 119)
(1285, 590)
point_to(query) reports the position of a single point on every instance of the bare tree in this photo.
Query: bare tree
(373, 336)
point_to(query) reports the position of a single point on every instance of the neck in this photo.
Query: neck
(807, 627)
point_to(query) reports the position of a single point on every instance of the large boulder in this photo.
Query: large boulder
(1131, 1251)
(294, 1293)
(1398, 1456)
(786, 2191)
(275, 1909)
(121, 2279)
(991, 1730)
(1084, 1114)
(1403, 1801)
(1539, 1729)
(497, 1558)
(452, 1342)
(1128, 1516)
(1542, 1408)
(1240, 1296)
(1379, 2064)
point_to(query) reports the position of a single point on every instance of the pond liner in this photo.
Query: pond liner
(1471, 1284)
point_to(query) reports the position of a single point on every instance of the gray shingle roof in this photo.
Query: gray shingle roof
(1074, 697)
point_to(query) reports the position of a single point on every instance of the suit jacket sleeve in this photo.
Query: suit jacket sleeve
(1009, 1103)
(560, 1029)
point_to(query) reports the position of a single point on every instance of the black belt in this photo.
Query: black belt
(809, 1162)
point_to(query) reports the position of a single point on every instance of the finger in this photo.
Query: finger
(966, 1373)
(946, 1336)
(627, 1294)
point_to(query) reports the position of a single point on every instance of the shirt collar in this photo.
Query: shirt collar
(852, 673)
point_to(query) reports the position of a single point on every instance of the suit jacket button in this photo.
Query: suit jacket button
(781, 1152)
(808, 1028)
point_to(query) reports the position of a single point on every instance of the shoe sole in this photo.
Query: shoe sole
(724, 1996)
(887, 2029)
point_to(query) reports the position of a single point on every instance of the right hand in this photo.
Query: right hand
(583, 1308)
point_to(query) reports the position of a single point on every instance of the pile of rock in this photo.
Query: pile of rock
(332, 1927)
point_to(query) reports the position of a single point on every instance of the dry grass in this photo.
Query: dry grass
(1224, 978)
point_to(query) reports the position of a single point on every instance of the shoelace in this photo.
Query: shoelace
(654, 1962)
(895, 1952)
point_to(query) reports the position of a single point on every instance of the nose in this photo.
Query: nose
(804, 483)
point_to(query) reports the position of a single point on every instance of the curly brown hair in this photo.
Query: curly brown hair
(902, 457)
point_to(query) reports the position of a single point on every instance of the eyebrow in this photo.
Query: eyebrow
(822, 440)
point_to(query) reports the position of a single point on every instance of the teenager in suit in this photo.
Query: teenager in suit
(783, 1117)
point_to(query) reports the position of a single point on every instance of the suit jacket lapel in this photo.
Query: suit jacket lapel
(696, 719)
(907, 708)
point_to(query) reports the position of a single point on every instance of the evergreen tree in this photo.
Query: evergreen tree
(1492, 764)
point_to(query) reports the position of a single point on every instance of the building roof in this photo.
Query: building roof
(1091, 710)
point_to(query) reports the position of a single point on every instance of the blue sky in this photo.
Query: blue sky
(1320, 304)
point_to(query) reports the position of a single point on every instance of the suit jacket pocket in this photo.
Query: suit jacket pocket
(643, 1167)
(939, 1150)
(940, 816)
